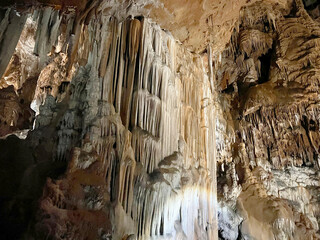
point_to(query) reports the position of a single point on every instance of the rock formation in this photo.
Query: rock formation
(160, 120)
(268, 77)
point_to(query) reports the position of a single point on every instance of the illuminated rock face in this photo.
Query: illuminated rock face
(131, 114)
(127, 125)
(269, 79)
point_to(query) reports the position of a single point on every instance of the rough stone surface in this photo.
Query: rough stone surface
(268, 79)
(160, 120)
(118, 104)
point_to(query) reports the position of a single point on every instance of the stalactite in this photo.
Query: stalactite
(49, 22)
(274, 128)
(135, 122)
(11, 26)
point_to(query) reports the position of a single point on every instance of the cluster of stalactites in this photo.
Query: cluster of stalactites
(146, 125)
(252, 39)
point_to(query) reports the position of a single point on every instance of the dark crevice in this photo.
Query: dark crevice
(310, 4)
(220, 235)
(269, 155)
(161, 226)
(305, 123)
(229, 89)
(239, 232)
(265, 61)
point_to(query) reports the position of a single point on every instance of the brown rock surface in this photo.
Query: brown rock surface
(160, 120)
(272, 93)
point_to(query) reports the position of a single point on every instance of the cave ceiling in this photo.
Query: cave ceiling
(195, 23)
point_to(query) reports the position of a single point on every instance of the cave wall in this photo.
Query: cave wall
(268, 78)
(110, 128)
(129, 113)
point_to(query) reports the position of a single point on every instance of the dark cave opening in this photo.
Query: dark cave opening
(265, 61)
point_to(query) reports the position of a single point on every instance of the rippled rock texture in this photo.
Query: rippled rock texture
(123, 132)
(269, 80)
